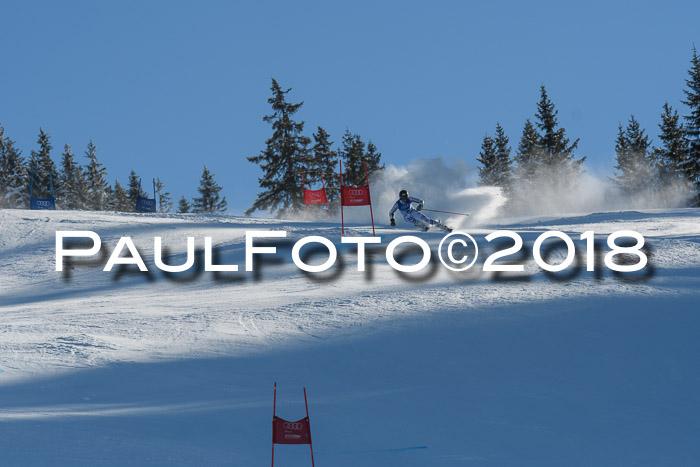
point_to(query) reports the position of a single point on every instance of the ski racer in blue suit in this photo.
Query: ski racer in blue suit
(414, 216)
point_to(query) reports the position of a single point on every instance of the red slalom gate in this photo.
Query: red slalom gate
(315, 196)
(287, 432)
(355, 196)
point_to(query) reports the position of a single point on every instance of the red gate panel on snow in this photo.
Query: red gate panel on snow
(355, 196)
(315, 196)
(286, 432)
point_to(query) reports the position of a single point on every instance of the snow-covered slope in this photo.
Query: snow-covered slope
(432, 369)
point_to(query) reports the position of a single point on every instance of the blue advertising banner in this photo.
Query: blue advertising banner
(145, 204)
(42, 203)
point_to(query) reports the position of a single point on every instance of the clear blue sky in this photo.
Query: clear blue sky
(163, 87)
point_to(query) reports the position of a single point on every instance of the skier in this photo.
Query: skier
(414, 216)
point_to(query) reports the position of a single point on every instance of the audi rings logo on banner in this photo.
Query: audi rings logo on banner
(356, 192)
(43, 203)
(296, 426)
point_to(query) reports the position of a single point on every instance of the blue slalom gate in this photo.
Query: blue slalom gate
(146, 204)
(41, 203)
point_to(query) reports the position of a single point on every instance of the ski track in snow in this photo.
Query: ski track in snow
(52, 325)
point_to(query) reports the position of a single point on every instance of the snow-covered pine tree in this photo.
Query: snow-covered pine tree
(503, 172)
(557, 153)
(528, 153)
(134, 190)
(96, 178)
(109, 203)
(120, 200)
(183, 206)
(41, 164)
(13, 175)
(73, 195)
(635, 173)
(670, 156)
(3, 162)
(283, 158)
(487, 173)
(210, 200)
(165, 203)
(353, 154)
(546, 164)
(374, 159)
(691, 165)
(325, 161)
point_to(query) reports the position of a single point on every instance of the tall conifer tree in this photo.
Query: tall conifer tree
(13, 175)
(285, 154)
(183, 206)
(487, 158)
(373, 158)
(670, 156)
(557, 153)
(502, 150)
(134, 190)
(210, 200)
(3, 165)
(43, 168)
(635, 173)
(72, 181)
(325, 161)
(96, 178)
(165, 203)
(120, 200)
(352, 154)
(528, 152)
(691, 164)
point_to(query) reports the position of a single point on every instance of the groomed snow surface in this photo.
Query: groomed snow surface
(426, 369)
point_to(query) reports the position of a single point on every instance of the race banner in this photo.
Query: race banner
(286, 432)
(145, 204)
(315, 196)
(355, 196)
(42, 203)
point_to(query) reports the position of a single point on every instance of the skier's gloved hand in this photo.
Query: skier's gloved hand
(419, 207)
(392, 222)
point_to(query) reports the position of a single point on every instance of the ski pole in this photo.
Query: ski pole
(446, 212)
